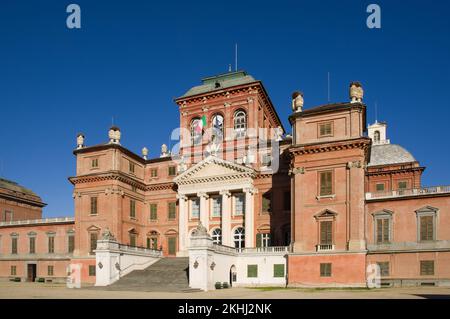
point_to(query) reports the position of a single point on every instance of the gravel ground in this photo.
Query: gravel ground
(11, 290)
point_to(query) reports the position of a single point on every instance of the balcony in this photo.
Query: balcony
(324, 247)
(56, 220)
(408, 192)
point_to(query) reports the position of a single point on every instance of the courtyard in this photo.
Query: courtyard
(25, 290)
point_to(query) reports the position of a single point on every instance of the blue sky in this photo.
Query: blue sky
(131, 58)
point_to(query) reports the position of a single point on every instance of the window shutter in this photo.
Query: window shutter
(278, 270)
(326, 183)
(258, 240)
(326, 235)
(386, 230)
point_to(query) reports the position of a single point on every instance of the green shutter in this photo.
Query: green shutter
(258, 240)
(278, 270)
(326, 235)
(172, 210)
(252, 271)
(172, 241)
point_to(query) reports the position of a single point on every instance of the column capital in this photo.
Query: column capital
(203, 194)
(251, 190)
(181, 197)
(225, 192)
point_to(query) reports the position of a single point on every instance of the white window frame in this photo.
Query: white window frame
(239, 237)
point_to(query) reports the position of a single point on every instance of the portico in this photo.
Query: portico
(220, 195)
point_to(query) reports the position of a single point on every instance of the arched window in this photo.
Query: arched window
(217, 127)
(217, 236)
(196, 131)
(240, 123)
(376, 136)
(239, 237)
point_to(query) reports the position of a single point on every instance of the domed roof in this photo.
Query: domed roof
(386, 154)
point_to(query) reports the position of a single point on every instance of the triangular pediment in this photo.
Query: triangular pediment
(214, 169)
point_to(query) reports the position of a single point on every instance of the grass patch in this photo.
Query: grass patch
(317, 289)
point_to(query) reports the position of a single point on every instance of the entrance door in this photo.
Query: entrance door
(172, 243)
(31, 272)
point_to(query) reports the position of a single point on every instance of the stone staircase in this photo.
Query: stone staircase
(166, 275)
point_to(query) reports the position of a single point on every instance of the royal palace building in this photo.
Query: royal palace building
(324, 201)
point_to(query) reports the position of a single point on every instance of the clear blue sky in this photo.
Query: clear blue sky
(131, 58)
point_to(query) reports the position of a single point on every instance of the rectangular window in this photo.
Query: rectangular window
(427, 267)
(325, 270)
(94, 206)
(326, 233)
(263, 240)
(94, 163)
(426, 228)
(278, 270)
(154, 172)
(131, 167)
(172, 210)
(217, 206)
(195, 207)
(380, 187)
(252, 271)
(9, 216)
(326, 183)
(266, 203)
(133, 240)
(13, 270)
(71, 243)
(402, 185)
(93, 242)
(266, 160)
(383, 230)
(14, 245)
(153, 212)
(384, 268)
(132, 208)
(51, 245)
(32, 245)
(50, 270)
(287, 201)
(172, 170)
(91, 270)
(325, 129)
(239, 204)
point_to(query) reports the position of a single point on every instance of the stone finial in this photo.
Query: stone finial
(164, 151)
(356, 92)
(144, 152)
(114, 135)
(200, 230)
(80, 140)
(107, 235)
(297, 101)
(278, 134)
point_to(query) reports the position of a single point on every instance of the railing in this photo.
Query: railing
(325, 247)
(127, 248)
(409, 192)
(264, 250)
(38, 221)
(256, 250)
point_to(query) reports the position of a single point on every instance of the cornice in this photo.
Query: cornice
(313, 148)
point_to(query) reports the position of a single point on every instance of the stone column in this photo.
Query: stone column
(249, 218)
(204, 209)
(226, 218)
(182, 224)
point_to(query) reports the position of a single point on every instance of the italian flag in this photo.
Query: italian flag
(201, 124)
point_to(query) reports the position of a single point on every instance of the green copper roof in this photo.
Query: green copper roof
(219, 82)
